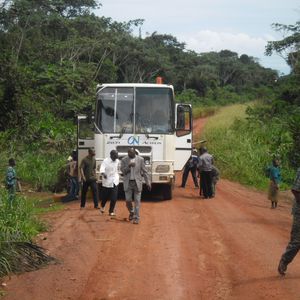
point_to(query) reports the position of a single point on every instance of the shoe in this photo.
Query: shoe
(135, 221)
(96, 207)
(282, 268)
(102, 210)
(112, 214)
(131, 215)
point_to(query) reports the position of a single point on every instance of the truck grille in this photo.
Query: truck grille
(141, 149)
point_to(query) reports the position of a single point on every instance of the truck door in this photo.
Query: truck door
(183, 143)
(85, 136)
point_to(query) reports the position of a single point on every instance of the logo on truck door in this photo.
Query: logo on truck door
(133, 140)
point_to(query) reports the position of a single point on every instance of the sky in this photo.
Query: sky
(242, 26)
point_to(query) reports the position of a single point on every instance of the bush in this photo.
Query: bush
(243, 148)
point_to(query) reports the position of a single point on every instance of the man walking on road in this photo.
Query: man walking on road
(191, 166)
(294, 245)
(205, 166)
(88, 175)
(110, 180)
(134, 170)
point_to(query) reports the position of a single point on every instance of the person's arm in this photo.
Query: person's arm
(82, 171)
(124, 169)
(145, 174)
(102, 169)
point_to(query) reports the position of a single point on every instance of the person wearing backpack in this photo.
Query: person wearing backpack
(275, 179)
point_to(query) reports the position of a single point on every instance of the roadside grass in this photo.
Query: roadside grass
(42, 171)
(204, 111)
(19, 225)
(239, 154)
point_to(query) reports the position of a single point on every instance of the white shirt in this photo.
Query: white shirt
(111, 169)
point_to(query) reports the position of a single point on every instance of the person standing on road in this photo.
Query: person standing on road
(191, 166)
(275, 179)
(134, 170)
(109, 171)
(88, 175)
(294, 245)
(72, 174)
(11, 180)
(205, 166)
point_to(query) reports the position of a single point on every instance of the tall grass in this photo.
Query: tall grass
(240, 149)
(18, 226)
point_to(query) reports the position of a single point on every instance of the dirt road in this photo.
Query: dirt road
(187, 248)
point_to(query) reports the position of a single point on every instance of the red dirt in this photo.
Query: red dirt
(186, 248)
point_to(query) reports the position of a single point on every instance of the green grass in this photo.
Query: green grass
(204, 111)
(240, 151)
(19, 224)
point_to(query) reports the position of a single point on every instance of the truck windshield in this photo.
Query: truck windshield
(153, 110)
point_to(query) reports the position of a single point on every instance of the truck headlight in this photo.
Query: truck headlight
(162, 169)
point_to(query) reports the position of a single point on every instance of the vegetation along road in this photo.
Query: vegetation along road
(186, 248)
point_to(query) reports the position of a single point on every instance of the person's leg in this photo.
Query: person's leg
(75, 186)
(201, 184)
(292, 248)
(128, 198)
(194, 175)
(85, 186)
(209, 185)
(104, 194)
(185, 176)
(93, 185)
(11, 195)
(204, 184)
(137, 203)
(113, 198)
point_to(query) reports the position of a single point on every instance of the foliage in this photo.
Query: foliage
(243, 147)
(18, 225)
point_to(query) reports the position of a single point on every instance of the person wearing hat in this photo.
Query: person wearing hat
(72, 176)
(191, 166)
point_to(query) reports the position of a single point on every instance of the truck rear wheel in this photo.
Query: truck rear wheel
(167, 192)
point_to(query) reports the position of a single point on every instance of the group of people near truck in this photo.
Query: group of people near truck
(202, 167)
(134, 172)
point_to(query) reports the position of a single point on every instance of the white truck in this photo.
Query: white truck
(145, 117)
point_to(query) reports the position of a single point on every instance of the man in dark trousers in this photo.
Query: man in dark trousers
(205, 166)
(294, 245)
(191, 166)
(109, 171)
(88, 175)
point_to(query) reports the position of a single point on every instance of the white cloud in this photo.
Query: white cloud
(207, 40)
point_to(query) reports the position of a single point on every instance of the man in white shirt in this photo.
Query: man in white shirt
(110, 180)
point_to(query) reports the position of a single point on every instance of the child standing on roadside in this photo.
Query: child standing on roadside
(11, 180)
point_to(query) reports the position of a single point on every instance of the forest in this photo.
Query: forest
(54, 52)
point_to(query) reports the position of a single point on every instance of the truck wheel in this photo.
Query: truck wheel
(167, 192)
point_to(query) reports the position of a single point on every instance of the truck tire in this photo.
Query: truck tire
(167, 192)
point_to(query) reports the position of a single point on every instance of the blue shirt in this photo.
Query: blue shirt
(11, 177)
(275, 174)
